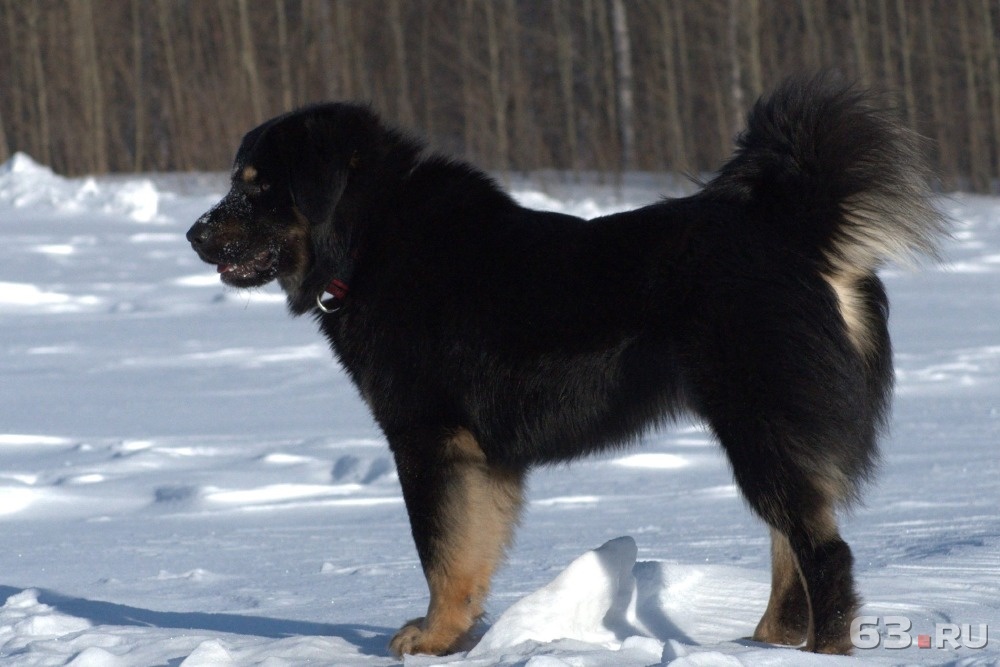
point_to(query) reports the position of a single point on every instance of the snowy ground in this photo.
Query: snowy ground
(187, 478)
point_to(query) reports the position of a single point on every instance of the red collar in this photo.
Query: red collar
(339, 289)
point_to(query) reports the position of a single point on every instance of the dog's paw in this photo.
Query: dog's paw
(406, 640)
(416, 637)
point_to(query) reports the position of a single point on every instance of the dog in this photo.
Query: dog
(487, 338)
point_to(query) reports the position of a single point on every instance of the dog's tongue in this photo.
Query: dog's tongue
(222, 268)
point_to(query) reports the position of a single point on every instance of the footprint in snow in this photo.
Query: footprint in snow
(350, 468)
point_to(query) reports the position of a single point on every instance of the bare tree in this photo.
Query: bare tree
(859, 37)
(989, 39)
(610, 97)
(177, 97)
(426, 77)
(513, 84)
(978, 162)
(4, 149)
(623, 67)
(685, 91)
(43, 132)
(16, 87)
(404, 110)
(946, 155)
(138, 87)
(672, 95)
(813, 40)
(249, 61)
(284, 68)
(90, 84)
(736, 92)
(497, 101)
(564, 56)
(754, 55)
(465, 30)
(906, 51)
(885, 37)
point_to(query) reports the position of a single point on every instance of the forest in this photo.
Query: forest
(607, 86)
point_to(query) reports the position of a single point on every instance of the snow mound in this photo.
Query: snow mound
(25, 297)
(645, 612)
(26, 184)
(24, 620)
(590, 601)
(22, 164)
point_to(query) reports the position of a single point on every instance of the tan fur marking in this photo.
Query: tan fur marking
(248, 174)
(297, 244)
(823, 525)
(835, 486)
(481, 514)
(463, 445)
(787, 618)
(852, 310)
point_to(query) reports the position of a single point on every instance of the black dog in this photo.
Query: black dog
(488, 338)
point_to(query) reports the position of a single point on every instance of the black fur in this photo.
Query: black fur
(547, 337)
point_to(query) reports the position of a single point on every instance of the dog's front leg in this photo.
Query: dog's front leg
(462, 513)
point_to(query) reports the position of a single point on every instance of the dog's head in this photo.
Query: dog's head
(279, 219)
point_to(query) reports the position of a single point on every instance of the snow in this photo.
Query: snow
(187, 477)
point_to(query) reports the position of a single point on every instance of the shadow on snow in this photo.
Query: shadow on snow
(369, 639)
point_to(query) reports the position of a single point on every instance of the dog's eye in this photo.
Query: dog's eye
(264, 187)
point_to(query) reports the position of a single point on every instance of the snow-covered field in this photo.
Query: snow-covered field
(187, 478)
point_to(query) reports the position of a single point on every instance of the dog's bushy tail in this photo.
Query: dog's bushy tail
(836, 170)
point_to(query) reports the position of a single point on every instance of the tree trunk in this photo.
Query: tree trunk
(993, 79)
(336, 29)
(736, 95)
(859, 36)
(17, 77)
(623, 67)
(945, 151)
(497, 100)
(685, 91)
(813, 42)
(4, 148)
(427, 83)
(139, 89)
(404, 109)
(604, 30)
(564, 58)
(249, 61)
(675, 125)
(979, 167)
(518, 88)
(753, 52)
(284, 70)
(43, 135)
(465, 62)
(889, 77)
(905, 54)
(95, 145)
(176, 116)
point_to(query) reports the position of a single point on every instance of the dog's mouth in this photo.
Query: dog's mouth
(258, 270)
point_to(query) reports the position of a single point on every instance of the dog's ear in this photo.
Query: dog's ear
(317, 170)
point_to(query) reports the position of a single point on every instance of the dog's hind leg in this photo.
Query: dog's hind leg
(826, 563)
(786, 620)
(799, 509)
(796, 495)
(462, 514)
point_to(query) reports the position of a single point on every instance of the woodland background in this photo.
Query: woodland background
(94, 86)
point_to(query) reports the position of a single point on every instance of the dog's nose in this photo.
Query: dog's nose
(198, 234)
